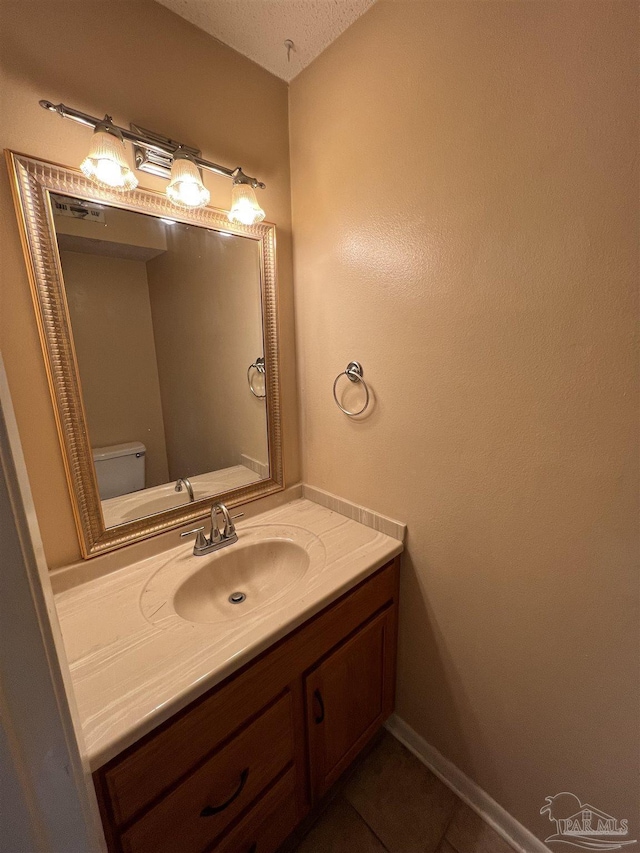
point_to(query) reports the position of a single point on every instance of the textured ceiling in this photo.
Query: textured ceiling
(258, 28)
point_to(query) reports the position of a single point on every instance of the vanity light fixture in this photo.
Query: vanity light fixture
(244, 204)
(163, 157)
(185, 187)
(105, 163)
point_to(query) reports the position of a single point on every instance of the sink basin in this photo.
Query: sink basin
(237, 579)
(268, 564)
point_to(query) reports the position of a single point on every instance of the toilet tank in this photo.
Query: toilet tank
(119, 468)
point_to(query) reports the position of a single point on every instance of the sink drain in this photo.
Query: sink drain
(237, 597)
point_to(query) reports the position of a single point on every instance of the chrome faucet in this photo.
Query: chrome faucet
(218, 538)
(229, 528)
(186, 482)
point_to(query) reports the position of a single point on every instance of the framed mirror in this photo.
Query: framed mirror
(160, 334)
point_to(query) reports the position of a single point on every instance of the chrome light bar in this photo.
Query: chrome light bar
(153, 152)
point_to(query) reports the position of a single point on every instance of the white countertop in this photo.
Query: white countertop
(130, 674)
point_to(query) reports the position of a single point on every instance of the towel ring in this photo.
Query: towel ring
(258, 365)
(353, 373)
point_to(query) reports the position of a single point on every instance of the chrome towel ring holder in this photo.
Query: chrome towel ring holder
(354, 373)
(258, 365)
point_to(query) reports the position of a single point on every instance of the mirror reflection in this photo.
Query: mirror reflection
(168, 334)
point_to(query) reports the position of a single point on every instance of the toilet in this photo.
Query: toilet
(119, 468)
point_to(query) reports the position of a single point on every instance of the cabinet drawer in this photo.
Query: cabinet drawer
(268, 823)
(191, 817)
(155, 766)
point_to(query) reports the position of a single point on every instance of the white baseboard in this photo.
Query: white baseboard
(513, 832)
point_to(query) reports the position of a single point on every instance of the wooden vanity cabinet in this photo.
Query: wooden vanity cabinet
(239, 768)
(349, 695)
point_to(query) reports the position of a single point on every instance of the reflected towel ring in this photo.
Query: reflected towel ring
(353, 373)
(258, 365)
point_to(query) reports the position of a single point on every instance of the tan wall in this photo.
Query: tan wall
(466, 222)
(208, 330)
(144, 64)
(110, 312)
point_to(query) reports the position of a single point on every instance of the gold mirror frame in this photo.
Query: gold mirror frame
(32, 181)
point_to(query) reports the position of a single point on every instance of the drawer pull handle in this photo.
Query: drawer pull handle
(318, 696)
(207, 811)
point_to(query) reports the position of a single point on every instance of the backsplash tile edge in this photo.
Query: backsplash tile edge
(365, 516)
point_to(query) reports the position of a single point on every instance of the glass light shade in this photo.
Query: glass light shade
(105, 162)
(244, 205)
(185, 187)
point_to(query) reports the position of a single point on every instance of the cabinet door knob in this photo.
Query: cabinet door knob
(207, 811)
(319, 719)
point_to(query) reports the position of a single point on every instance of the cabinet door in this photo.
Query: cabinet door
(348, 697)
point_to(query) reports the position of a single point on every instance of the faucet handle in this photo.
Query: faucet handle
(191, 532)
(232, 527)
(229, 526)
(201, 539)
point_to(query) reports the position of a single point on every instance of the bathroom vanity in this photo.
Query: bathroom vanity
(221, 734)
(220, 693)
(234, 765)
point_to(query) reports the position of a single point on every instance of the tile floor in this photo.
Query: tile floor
(393, 803)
